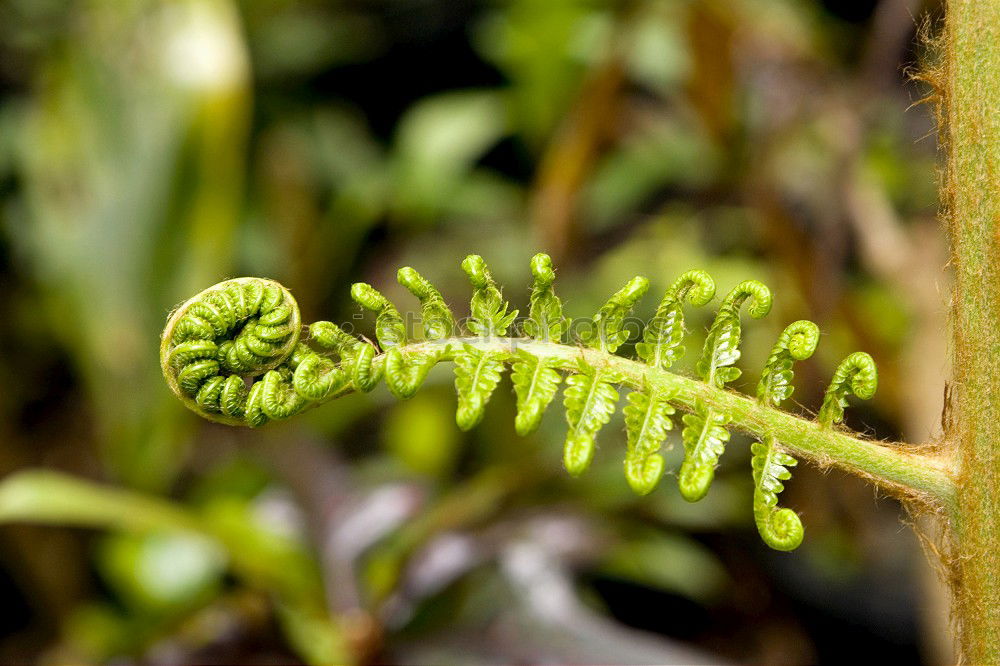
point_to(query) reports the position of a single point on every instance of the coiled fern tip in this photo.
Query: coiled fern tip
(237, 353)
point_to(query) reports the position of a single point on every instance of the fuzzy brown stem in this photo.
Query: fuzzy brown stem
(972, 197)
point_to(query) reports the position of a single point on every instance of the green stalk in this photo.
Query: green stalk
(921, 477)
(971, 194)
(47, 497)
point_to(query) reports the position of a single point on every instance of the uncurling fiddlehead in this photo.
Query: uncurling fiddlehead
(435, 315)
(705, 434)
(477, 371)
(590, 395)
(856, 374)
(238, 353)
(647, 416)
(534, 377)
(246, 326)
(489, 310)
(780, 529)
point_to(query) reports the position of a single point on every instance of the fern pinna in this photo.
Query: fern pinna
(237, 353)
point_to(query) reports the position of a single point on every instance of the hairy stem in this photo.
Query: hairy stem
(972, 198)
(917, 476)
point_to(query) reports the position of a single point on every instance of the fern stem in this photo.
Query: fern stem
(916, 476)
(971, 194)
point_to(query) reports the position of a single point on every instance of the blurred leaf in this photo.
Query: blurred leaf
(537, 45)
(421, 433)
(264, 557)
(659, 155)
(670, 562)
(464, 505)
(657, 52)
(438, 141)
(50, 497)
(239, 478)
(96, 631)
(131, 186)
(908, 175)
(299, 40)
(344, 149)
(315, 638)
(164, 571)
(886, 317)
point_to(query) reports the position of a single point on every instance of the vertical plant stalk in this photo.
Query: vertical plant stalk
(971, 195)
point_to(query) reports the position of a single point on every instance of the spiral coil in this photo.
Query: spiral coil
(234, 354)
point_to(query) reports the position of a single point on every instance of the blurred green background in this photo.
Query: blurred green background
(150, 148)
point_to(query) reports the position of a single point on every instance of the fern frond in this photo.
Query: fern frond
(233, 354)
(356, 356)
(436, 317)
(279, 399)
(366, 374)
(545, 314)
(390, 331)
(536, 382)
(489, 310)
(647, 416)
(661, 341)
(330, 336)
(780, 529)
(705, 436)
(797, 342)
(647, 420)
(254, 414)
(477, 374)
(317, 377)
(590, 400)
(856, 374)
(606, 332)
(722, 344)
(534, 377)
(405, 372)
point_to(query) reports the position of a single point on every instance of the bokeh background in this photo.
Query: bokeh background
(150, 148)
